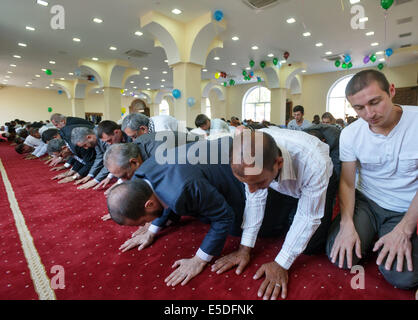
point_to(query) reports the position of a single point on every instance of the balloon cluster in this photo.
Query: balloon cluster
(346, 64)
(220, 75)
(90, 77)
(248, 76)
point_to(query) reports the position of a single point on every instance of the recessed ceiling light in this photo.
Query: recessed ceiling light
(270, 55)
(364, 19)
(370, 33)
(5, 80)
(379, 52)
(70, 73)
(37, 75)
(43, 70)
(216, 58)
(235, 38)
(166, 61)
(97, 20)
(283, 61)
(374, 44)
(233, 64)
(162, 86)
(306, 34)
(52, 62)
(319, 44)
(146, 78)
(354, 1)
(382, 59)
(132, 81)
(291, 20)
(30, 28)
(9, 72)
(138, 33)
(29, 82)
(148, 84)
(135, 87)
(95, 59)
(26, 85)
(42, 3)
(17, 56)
(303, 71)
(254, 47)
(247, 68)
(13, 65)
(62, 79)
(205, 70)
(7, 77)
(328, 53)
(176, 11)
(46, 87)
(21, 44)
(113, 48)
(145, 68)
(162, 80)
(76, 39)
(165, 72)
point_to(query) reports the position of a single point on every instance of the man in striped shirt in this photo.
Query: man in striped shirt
(298, 168)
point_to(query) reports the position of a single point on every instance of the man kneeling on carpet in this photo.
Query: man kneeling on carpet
(163, 192)
(379, 182)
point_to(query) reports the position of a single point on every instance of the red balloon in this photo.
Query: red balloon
(286, 55)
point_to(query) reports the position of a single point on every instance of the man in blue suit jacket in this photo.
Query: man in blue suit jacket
(161, 192)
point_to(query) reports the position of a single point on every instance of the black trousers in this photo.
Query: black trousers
(371, 222)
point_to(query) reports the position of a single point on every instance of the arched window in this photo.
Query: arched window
(337, 103)
(208, 112)
(256, 104)
(164, 108)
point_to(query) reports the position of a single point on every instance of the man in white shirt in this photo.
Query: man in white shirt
(379, 183)
(295, 164)
(212, 126)
(298, 123)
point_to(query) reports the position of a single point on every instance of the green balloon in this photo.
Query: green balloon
(262, 64)
(386, 4)
(49, 109)
(244, 73)
(344, 65)
(231, 82)
(225, 84)
(350, 65)
(275, 61)
(48, 72)
(373, 57)
(380, 66)
(252, 63)
(337, 63)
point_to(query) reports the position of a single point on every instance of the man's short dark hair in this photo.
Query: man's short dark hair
(19, 148)
(201, 120)
(127, 200)
(107, 127)
(270, 152)
(49, 134)
(363, 79)
(299, 108)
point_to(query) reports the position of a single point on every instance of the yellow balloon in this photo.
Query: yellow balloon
(123, 110)
(217, 75)
(122, 91)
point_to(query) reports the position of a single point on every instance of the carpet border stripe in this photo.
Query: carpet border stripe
(37, 270)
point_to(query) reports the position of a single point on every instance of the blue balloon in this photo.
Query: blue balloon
(191, 101)
(252, 73)
(176, 93)
(347, 58)
(218, 15)
(77, 72)
(389, 52)
(59, 91)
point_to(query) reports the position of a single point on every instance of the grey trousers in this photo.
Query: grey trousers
(372, 221)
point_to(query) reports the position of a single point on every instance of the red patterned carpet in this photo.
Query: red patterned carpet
(67, 230)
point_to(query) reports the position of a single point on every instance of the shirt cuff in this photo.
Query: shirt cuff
(90, 175)
(204, 256)
(284, 260)
(110, 176)
(97, 181)
(67, 165)
(248, 241)
(153, 228)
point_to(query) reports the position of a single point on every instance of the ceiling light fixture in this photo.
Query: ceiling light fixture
(270, 55)
(17, 56)
(328, 53)
(216, 58)
(374, 44)
(30, 28)
(233, 64)
(176, 11)
(162, 80)
(42, 3)
(254, 47)
(21, 44)
(306, 34)
(138, 33)
(95, 59)
(205, 70)
(52, 62)
(235, 38)
(62, 79)
(70, 73)
(13, 65)
(145, 68)
(166, 61)
(165, 72)
(7, 77)
(113, 48)
(319, 44)
(379, 52)
(370, 33)
(354, 1)
(148, 84)
(37, 75)
(9, 72)
(97, 20)
(303, 71)
(76, 39)
(291, 20)
(382, 59)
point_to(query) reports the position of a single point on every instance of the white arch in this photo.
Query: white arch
(295, 87)
(87, 70)
(161, 95)
(116, 77)
(334, 85)
(213, 86)
(271, 77)
(63, 89)
(247, 93)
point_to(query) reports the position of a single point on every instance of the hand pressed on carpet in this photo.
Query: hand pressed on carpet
(239, 258)
(275, 281)
(186, 270)
(142, 240)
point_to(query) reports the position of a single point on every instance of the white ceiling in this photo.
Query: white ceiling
(327, 20)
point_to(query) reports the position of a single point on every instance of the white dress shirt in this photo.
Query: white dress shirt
(32, 141)
(305, 174)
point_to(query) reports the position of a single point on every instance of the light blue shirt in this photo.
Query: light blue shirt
(294, 126)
